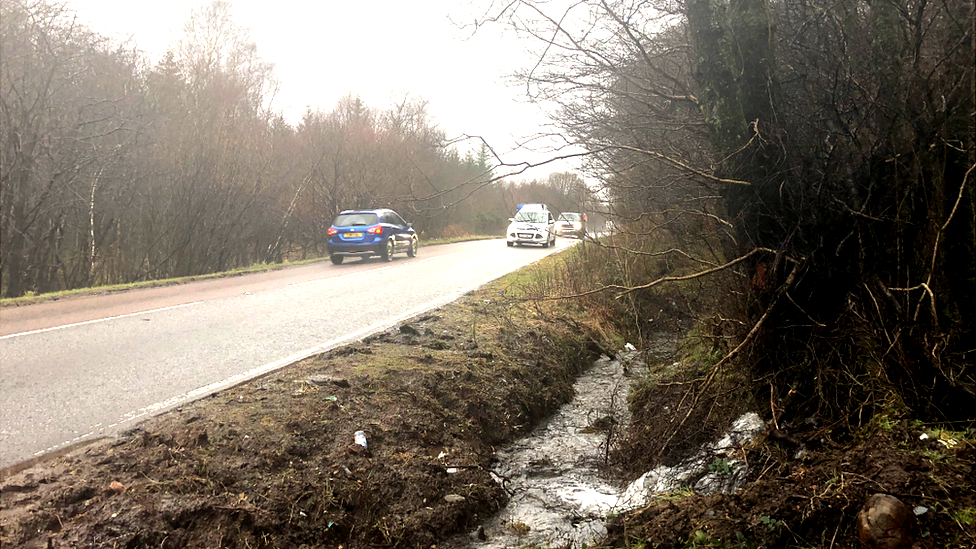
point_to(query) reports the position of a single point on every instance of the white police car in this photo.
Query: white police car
(532, 224)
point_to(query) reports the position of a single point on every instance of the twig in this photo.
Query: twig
(772, 406)
(834, 537)
(935, 252)
(681, 165)
(624, 290)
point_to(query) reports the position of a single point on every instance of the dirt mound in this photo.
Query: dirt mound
(272, 463)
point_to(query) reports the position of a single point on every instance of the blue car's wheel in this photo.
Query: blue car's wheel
(388, 250)
(414, 246)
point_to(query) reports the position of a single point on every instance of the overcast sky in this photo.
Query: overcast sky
(378, 49)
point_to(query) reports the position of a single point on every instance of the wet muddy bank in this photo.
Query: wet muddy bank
(561, 479)
(557, 477)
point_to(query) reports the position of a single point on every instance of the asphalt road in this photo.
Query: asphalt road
(81, 368)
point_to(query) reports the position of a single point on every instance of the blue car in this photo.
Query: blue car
(371, 232)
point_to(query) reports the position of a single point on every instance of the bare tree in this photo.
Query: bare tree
(69, 118)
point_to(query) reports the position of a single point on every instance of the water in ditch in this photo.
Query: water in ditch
(560, 494)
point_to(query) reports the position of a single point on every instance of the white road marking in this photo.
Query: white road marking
(323, 279)
(101, 320)
(242, 377)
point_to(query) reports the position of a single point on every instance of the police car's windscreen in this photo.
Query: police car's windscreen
(355, 219)
(531, 217)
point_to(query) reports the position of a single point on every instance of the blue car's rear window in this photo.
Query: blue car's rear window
(356, 219)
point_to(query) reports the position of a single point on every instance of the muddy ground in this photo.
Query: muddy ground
(807, 481)
(272, 463)
(813, 501)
